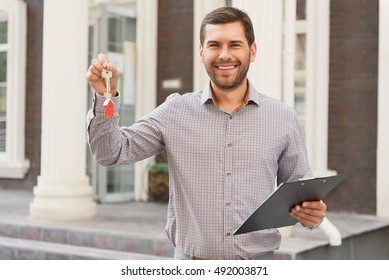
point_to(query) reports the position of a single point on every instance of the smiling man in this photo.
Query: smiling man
(226, 145)
(227, 59)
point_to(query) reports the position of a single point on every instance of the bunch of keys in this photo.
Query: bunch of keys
(109, 106)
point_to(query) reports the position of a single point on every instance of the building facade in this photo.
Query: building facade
(328, 59)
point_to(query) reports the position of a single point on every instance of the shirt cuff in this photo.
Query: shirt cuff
(98, 104)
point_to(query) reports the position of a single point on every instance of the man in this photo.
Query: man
(226, 145)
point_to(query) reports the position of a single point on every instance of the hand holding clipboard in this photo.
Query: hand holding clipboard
(274, 212)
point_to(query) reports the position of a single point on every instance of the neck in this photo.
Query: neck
(230, 99)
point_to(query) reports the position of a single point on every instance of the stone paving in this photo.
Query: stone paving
(135, 218)
(131, 227)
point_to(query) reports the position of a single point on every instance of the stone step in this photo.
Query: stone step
(81, 237)
(22, 249)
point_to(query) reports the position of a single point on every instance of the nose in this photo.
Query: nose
(225, 53)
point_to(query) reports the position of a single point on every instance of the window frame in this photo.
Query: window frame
(4, 47)
(13, 163)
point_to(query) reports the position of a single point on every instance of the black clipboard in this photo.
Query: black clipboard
(274, 212)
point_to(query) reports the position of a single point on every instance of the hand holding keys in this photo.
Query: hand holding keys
(101, 69)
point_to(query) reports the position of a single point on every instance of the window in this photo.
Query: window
(300, 63)
(3, 78)
(12, 88)
(311, 78)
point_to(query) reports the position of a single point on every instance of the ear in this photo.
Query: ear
(253, 52)
(201, 53)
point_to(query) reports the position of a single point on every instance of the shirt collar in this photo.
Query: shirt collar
(254, 95)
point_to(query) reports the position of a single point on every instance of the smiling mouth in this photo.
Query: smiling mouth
(225, 67)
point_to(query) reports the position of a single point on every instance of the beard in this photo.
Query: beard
(228, 83)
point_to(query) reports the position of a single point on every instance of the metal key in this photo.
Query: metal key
(107, 75)
(109, 106)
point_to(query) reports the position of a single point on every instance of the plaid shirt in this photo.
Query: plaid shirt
(221, 166)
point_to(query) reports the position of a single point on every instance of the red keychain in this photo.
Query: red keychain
(109, 106)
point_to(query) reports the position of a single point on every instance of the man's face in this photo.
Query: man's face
(226, 54)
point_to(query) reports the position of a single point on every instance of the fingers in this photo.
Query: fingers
(92, 74)
(102, 59)
(98, 64)
(305, 219)
(309, 213)
(317, 205)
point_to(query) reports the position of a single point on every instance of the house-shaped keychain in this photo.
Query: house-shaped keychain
(109, 108)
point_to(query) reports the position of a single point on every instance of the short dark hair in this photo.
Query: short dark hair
(229, 15)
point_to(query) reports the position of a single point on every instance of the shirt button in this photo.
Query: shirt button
(229, 174)
(230, 117)
(228, 234)
(229, 145)
(228, 204)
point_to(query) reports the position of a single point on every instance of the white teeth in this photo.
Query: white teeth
(226, 67)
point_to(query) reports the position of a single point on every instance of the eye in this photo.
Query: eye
(236, 45)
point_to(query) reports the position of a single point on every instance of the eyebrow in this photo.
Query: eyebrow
(231, 42)
(212, 42)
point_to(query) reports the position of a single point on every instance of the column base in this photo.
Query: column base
(63, 203)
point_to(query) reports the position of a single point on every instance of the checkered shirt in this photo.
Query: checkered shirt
(221, 166)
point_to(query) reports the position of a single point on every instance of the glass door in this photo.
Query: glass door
(113, 33)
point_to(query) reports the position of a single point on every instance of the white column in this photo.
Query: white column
(63, 191)
(266, 72)
(146, 71)
(383, 113)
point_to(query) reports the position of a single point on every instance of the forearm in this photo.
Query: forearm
(111, 144)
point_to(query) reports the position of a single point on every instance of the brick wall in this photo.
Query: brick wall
(353, 103)
(175, 45)
(33, 96)
(175, 48)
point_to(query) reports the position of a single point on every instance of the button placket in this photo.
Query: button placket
(228, 216)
